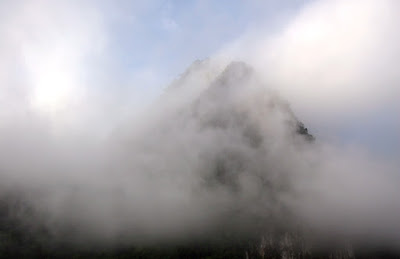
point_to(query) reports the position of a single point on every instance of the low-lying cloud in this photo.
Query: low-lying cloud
(219, 150)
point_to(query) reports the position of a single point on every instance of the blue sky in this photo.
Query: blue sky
(166, 36)
(170, 35)
(335, 61)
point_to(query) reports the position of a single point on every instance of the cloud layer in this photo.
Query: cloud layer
(219, 149)
(333, 60)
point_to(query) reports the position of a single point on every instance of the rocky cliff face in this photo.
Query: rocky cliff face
(237, 124)
(227, 140)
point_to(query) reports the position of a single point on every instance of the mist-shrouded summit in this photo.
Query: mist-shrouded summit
(209, 146)
(218, 153)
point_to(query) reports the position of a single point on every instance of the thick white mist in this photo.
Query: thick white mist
(334, 61)
(153, 177)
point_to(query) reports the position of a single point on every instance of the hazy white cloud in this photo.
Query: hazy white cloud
(334, 60)
(214, 143)
(48, 49)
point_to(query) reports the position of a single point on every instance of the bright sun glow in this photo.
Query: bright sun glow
(55, 78)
